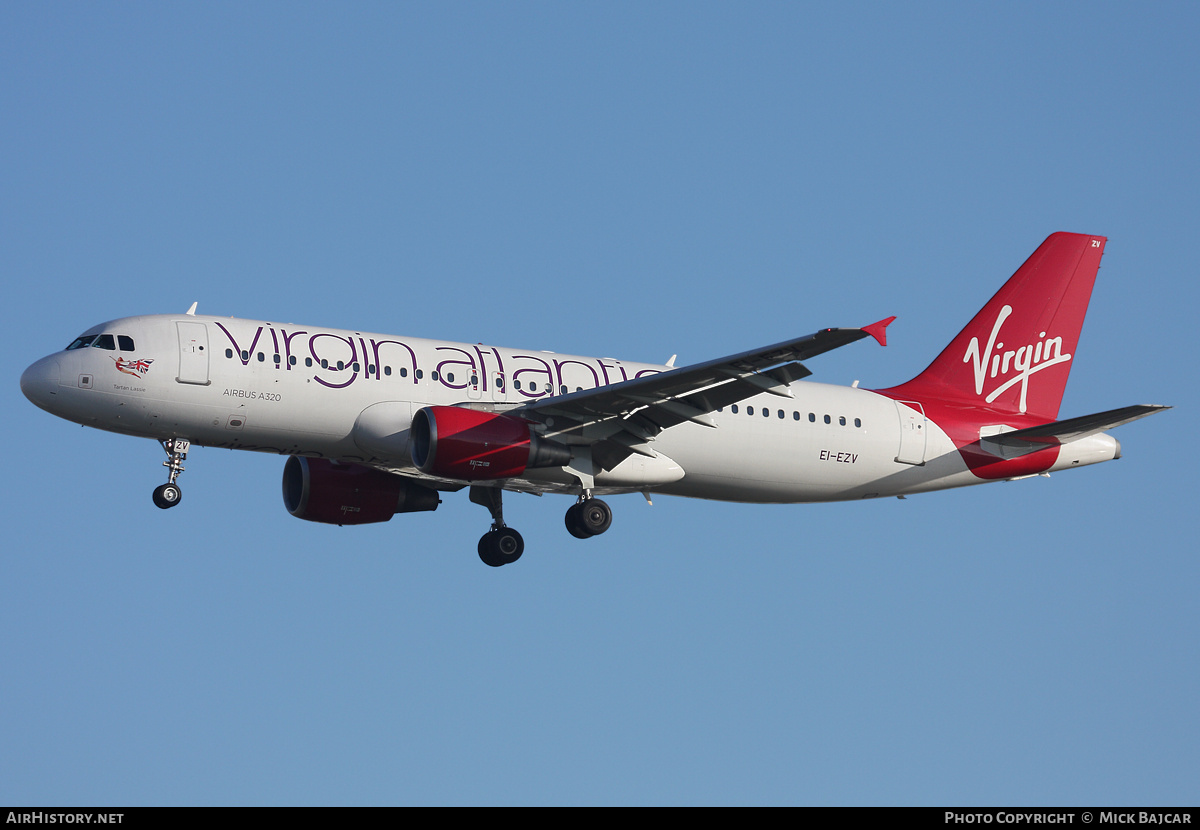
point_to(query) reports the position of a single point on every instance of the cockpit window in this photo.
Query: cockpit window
(82, 342)
(125, 342)
(105, 341)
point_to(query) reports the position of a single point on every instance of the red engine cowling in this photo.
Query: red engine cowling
(471, 445)
(348, 494)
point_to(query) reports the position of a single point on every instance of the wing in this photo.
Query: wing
(623, 418)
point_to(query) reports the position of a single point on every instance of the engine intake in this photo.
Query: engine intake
(319, 490)
(471, 445)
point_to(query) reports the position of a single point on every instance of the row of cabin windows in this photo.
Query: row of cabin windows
(812, 416)
(419, 374)
(111, 342)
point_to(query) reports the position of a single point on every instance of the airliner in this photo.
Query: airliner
(374, 425)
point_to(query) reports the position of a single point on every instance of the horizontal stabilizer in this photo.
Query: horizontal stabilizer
(1032, 439)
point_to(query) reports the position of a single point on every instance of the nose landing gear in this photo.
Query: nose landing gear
(169, 494)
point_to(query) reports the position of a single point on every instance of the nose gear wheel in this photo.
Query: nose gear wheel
(169, 494)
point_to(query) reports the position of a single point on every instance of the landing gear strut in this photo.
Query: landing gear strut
(588, 517)
(501, 545)
(169, 494)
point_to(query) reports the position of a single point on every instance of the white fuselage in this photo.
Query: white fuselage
(349, 396)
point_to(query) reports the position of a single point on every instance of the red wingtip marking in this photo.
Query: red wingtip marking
(879, 330)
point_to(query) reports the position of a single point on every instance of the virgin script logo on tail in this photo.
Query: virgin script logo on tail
(1025, 360)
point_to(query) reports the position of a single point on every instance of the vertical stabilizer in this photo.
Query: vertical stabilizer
(1015, 355)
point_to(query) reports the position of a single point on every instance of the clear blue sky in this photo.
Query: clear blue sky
(631, 180)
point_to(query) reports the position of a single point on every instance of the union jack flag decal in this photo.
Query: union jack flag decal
(137, 368)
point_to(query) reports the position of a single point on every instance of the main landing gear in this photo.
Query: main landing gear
(169, 494)
(501, 545)
(588, 517)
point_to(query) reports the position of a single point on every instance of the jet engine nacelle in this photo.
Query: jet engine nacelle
(319, 490)
(472, 445)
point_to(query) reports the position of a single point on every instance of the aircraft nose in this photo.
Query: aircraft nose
(39, 382)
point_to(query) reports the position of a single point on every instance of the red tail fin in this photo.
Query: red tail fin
(1016, 354)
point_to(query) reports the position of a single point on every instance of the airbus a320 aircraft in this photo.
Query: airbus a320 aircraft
(374, 425)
